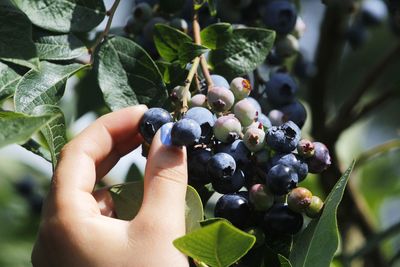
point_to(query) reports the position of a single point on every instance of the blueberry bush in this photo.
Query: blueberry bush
(261, 121)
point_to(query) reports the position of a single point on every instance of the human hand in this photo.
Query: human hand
(77, 229)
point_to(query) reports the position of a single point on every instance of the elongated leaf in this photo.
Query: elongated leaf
(8, 81)
(173, 73)
(128, 198)
(18, 128)
(216, 35)
(243, 52)
(64, 15)
(58, 47)
(188, 51)
(134, 174)
(127, 75)
(16, 43)
(43, 87)
(219, 244)
(284, 262)
(168, 40)
(54, 130)
(317, 244)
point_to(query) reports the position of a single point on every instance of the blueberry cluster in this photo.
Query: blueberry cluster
(255, 161)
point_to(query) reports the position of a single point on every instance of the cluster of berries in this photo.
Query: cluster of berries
(233, 146)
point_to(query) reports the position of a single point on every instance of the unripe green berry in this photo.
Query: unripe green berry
(245, 112)
(254, 139)
(177, 94)
(299, 199)
(315, 207)
(261, 199)
(220, 99)
(227, 128)
(240, 87)
(198, 100)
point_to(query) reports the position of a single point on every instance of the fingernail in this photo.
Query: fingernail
(165, 133)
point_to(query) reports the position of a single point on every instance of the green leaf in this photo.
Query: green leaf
(212, 7)
(58, 47)
(16, 43)
(243, 52)
(134, 174)
(42, 87)
(34, 147)
(216, 35)
(198, 4)
(188, 51)
(18, 128)
(8, 81)
(219, 244)
(317, 244)
(54, 130)
(64, 15)
(283, 261)
(168, 40)
(173, 73)
(127, 75)
(128, 199)
(213, 220)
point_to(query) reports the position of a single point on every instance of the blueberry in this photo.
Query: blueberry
(280, 16)
(284, 138)
(245, 112)
(260, 197)
(315, 208)
(321, 159)
(198, 100)
(219, 81)
(205, 119)
(264, 120)
(281, 179)
(220, 99)
(305, 148)
(280, 89)
(237, 150)
(152, 120)
(287, 46)
(254, 139)
(229, 184)
(25, 186)
(177, 94)
(197, 159)
(295, 112)
(148, 29)
(179, 24)
(185, 132)
(234, 208)
(276, 117)
(299, 199)
(262, 159)
(281, 220)
(142, 12)
(240, 88)
(221, 165)
(293, 161)
(255, 104)
(227, 128)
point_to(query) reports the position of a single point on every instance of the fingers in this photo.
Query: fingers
(165, 186)
(96, 149)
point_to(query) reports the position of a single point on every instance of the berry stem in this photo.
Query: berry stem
(110, 13)
(188, 81)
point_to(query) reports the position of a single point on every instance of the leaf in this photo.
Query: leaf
(168, 40)
(43, 87)
(18, 128)
(8, 81)
(134, 174)
(216, 35)
(54, 130)
(243, 52)
(317, 244)
(64, 15)
(212, 7)
(16, 43)
(127, 75)
(58, 47)
(219, 244)
(283, 261)
(213, 220)
(37, 149)
(173, 73)
(128, 199)
(188, 51)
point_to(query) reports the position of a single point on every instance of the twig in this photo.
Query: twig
(188, 81)
(110, 13)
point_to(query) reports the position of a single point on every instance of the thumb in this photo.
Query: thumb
(165, 183)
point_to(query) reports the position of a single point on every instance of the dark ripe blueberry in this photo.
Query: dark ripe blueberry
(25, 186)
(280, 89)
(230, 184)
(227, 128)
(152, 120)
(179, 24)
(290, 160)
(142, 12)
(284, 138)
(321, 159)
(295, 112)
(221, 165)
(237, 150)
(185, 132)
(280, 16)
(281, 220)
(205, 119)
(220, 99)
(219, 81)
(234, 208)
(281, 179)
(262, 159)
(197, 160)
(264, 121)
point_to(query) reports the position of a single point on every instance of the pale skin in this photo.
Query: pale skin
(78, 227)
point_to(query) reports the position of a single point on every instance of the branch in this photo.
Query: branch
(104, 34)
(188, 81)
